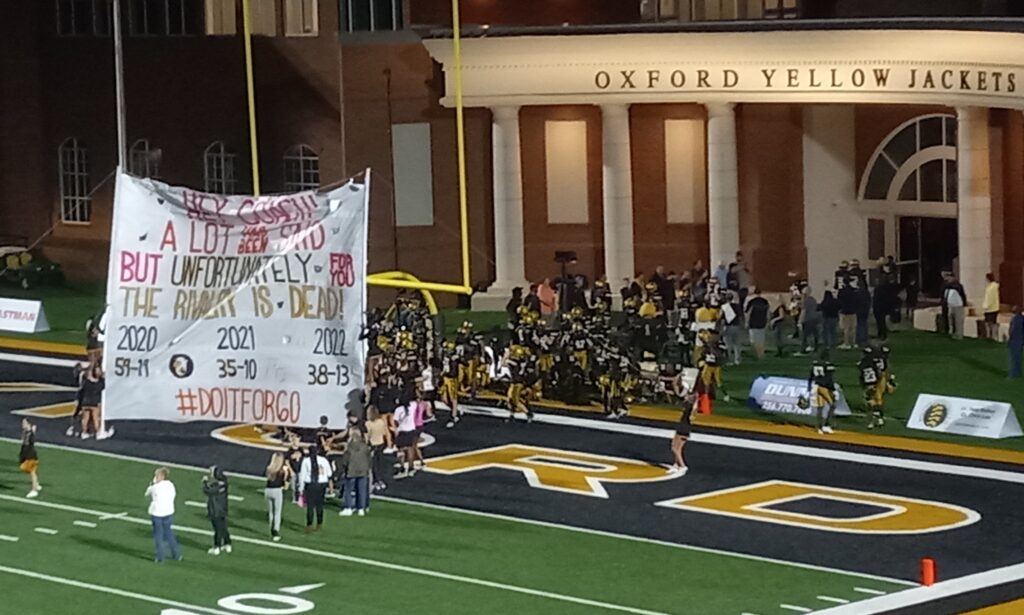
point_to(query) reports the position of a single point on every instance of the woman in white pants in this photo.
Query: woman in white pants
(277, 477)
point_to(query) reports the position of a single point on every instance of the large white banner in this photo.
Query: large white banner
(235, 308)
(969, 417)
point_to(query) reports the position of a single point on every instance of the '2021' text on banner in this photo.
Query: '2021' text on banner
(235, 308)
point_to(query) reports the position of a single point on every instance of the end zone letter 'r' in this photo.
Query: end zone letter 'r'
(554, 469)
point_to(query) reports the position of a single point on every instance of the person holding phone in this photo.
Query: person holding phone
(161, 494)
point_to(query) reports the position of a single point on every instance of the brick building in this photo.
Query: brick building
(634, 132)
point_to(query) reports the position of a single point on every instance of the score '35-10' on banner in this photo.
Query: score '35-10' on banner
(235, 308)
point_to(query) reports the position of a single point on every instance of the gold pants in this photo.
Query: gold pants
(583, 358)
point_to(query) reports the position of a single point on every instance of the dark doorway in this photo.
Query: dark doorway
(928, 246)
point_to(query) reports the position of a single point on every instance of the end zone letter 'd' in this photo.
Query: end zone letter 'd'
(554, 469)
(828, 508)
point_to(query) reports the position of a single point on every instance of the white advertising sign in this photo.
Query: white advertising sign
(780, 395)
(969, 417)
(235, 308)
(22, 315)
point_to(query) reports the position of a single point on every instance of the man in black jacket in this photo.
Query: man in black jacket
(215, 486)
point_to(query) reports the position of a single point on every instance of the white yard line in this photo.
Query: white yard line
(46, 530)
(363, 561)
(34, 360)
(109, 590)
(236, 498)
(6, 538)
(921, 595)
(88, 524)
(195, 504)
(833, 599)
(548, 524)
(108, 517)
(795, 608)
(868, 590)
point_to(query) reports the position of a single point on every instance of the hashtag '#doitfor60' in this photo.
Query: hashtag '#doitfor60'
(186, 402)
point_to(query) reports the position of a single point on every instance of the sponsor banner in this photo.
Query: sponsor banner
(22, 315)
(969, 417)
(235, 308)
(779, 395)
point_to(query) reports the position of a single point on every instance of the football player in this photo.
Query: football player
(712, 353)
(449, 393)
(523, 376)
(877, 382)
(822, 386)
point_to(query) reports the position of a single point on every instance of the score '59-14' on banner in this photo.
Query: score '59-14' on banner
(235, 308)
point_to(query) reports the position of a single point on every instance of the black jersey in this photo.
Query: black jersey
(868, 371)
(28, 446)
(823, 375)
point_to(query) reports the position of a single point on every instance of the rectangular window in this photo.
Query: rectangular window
(300, 18)
(221, 17)
(685, 172)
(263, 17)
(781, 9)
(75, 202)
(372, 15)
(414, 174)
(565, 149)
(165, 17)
(83, 17)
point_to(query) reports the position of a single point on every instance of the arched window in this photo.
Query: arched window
(916, 162)
(75, 201)
(143, 160)
(219, 169)
(301, 169)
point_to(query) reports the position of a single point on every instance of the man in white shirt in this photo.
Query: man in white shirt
(314, 473)
(161, 494)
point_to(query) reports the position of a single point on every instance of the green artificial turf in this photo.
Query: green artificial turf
(354, 557)
(67, 308)
(923, 362)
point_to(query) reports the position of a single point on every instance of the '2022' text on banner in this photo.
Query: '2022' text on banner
(235, 308)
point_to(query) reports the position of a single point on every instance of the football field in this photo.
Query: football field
(85, 547)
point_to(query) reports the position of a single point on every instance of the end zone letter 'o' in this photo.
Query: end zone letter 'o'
(554, 469)
(885, 514)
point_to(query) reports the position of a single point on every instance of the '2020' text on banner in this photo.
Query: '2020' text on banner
(235, 308)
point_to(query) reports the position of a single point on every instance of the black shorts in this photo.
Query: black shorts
(406, 439)
(683, 428)
(990, 317)
(430, 396)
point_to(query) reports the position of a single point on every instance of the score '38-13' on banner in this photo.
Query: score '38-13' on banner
(235, 308)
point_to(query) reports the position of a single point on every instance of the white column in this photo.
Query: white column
(974, 205)
(617, 178)
(723, 185)
(510, 269)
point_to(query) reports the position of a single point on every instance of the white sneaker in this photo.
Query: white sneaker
(103, 435)
(821, 430)
(682, 471)
(390, 450)
(85, 436)
(827, 429)
(70, 432)
(449, 425)
(277, 538)
(226, 548)
(214, 551)
(33, 494)
(361, 513)
(346, 512)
